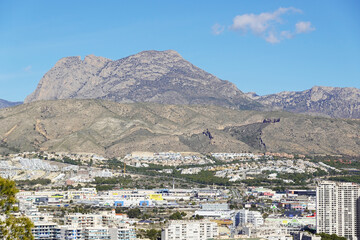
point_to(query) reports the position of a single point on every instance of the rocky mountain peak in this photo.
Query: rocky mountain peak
(149, 76)
(68, 61)
(161, 58)
(94, 60)
(153, 53)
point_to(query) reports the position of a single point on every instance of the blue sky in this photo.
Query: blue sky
(261, 46)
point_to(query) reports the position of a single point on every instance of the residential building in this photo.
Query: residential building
(89, 220)
(337, 209)
(190, 230)
(45, 231)
(244, 217)
(96, 233)
(122, 232)
(70, 233)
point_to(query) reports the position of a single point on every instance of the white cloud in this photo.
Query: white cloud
(287, 34)
(304, 27)
(260, 23)
(271, 38)
(217, 29)
(28, 68)
(266, 25)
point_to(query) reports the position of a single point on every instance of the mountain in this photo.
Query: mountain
(5, 104)
(149, 76)
(113, 129)
(326, 101)
(165, 77)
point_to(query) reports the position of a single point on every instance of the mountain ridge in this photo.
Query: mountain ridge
(165, 77)
(334, 102)
(113, 129)
(5, 103)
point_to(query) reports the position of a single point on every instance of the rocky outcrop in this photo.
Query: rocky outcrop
(324, 101)
(149, 76)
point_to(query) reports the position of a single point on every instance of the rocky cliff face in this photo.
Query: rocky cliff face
(149, 76)
(327, 101)
(5, 104)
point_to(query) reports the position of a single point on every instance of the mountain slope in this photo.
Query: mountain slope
(327, 101)
(5, 104)
(149, 76)
(113, 129)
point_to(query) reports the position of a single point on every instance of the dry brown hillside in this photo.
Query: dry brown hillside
(113, 129)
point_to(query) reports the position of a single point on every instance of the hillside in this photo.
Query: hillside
(113, 129)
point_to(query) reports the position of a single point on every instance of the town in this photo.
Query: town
(194, 196)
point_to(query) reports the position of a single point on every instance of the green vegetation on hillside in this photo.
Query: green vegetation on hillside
(41, 181)
(352, 178)
(103, 184)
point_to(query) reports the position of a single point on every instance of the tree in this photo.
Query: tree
(176, 216)
(134, 213)
(325, 236)
(153, 234)
(198, 217)
(13, 225)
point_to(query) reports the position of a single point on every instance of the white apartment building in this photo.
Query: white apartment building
(70, 233)
(336, 209)
(190, 230)
(123, 232)
(96, 233)
(89, 220)
(52, 231)
(45, 231)
(244, 217)
(100, 226)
